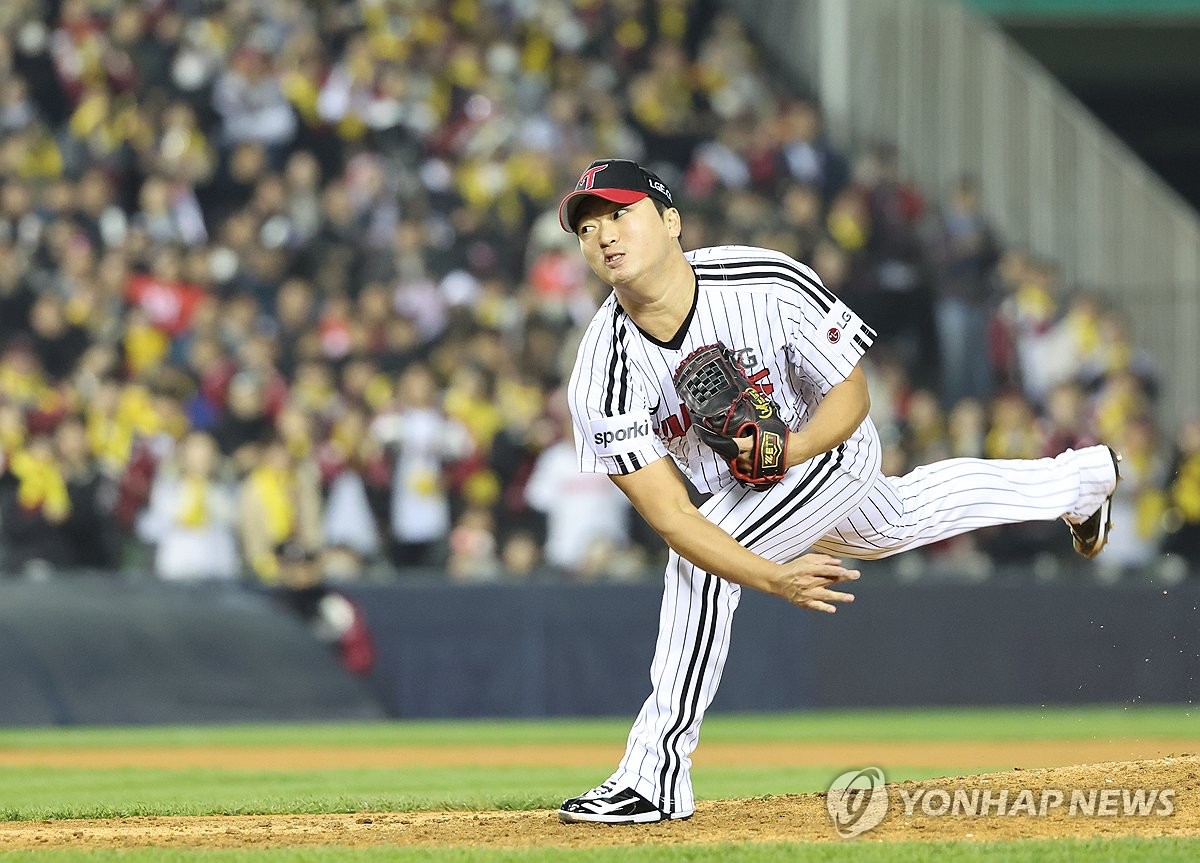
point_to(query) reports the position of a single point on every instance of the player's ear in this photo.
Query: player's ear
(673, 221)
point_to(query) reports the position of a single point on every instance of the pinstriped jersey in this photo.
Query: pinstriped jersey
(793, 338)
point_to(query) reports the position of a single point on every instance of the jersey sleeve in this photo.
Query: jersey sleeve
(610, 405)
(826, 339)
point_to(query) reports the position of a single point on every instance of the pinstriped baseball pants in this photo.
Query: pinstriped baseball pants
(837, 503)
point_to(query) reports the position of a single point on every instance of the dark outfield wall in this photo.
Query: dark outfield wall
(105, 652)
(93, 651)
(546, 651)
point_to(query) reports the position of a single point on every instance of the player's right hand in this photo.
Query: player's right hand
(806, 582)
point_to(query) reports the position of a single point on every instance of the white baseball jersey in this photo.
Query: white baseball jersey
(793, 338)
(796, 341)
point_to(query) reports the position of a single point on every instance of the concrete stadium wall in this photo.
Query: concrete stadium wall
(559, 650)
(105, 652)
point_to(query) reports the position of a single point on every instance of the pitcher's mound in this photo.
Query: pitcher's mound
(1096, 800)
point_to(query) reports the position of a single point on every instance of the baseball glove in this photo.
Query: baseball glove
(724, 405)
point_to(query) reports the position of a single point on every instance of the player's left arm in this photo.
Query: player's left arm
(838, 415)
(827, 340)
(840, 412)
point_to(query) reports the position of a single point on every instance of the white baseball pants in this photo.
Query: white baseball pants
(837, 503)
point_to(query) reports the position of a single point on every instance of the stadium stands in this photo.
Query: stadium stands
(318, 243)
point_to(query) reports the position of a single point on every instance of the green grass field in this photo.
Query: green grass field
(39, 792)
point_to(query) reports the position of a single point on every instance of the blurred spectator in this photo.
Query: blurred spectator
(90, 528)
(801, 212)
(663, 101)
(1049, 346)
(966, 429)
(728, 70)
(1181, 519)
(473, 548)
(251, 101)
(1110, 351)
(244, 424)
(169, 213)
(35, 505)
(521, 555)
(349, 460)
(168, 300)
(58, 343)
(925, 438)
(192, 515)
(582, 510)
(16, 294)
(900, 302)
(1013, 433)
(807, 155)
(1121, 402)
(964, 252)
(422, 439)
(1139, 503)
(279, 517)
(1066, 424)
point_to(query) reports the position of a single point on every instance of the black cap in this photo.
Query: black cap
(619, 180)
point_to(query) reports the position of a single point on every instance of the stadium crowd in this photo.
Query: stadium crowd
(283, 294)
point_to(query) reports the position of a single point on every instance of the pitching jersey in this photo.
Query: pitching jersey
(793, 338)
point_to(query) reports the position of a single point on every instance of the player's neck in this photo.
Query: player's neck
(659, 309)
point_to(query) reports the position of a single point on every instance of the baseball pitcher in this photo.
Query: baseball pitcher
(736, 368)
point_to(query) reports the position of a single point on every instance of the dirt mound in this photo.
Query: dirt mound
(1106, 789)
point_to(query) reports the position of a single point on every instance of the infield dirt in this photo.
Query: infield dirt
(790, 818)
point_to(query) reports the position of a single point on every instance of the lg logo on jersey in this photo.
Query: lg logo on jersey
(834, 334)
(748, 359)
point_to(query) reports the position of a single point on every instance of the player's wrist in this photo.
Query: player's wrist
(798, 449)
(762, 575)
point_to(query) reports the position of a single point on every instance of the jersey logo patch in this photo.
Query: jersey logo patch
(620, 435)
(839, 322)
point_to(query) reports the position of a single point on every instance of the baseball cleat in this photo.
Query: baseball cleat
(1090, 536)
(605, 804)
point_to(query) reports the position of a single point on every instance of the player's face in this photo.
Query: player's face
(623, 242)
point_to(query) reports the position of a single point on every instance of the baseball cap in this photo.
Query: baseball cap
(621, 181)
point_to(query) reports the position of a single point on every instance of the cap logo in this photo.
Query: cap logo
(654, 184)
(589, 176)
